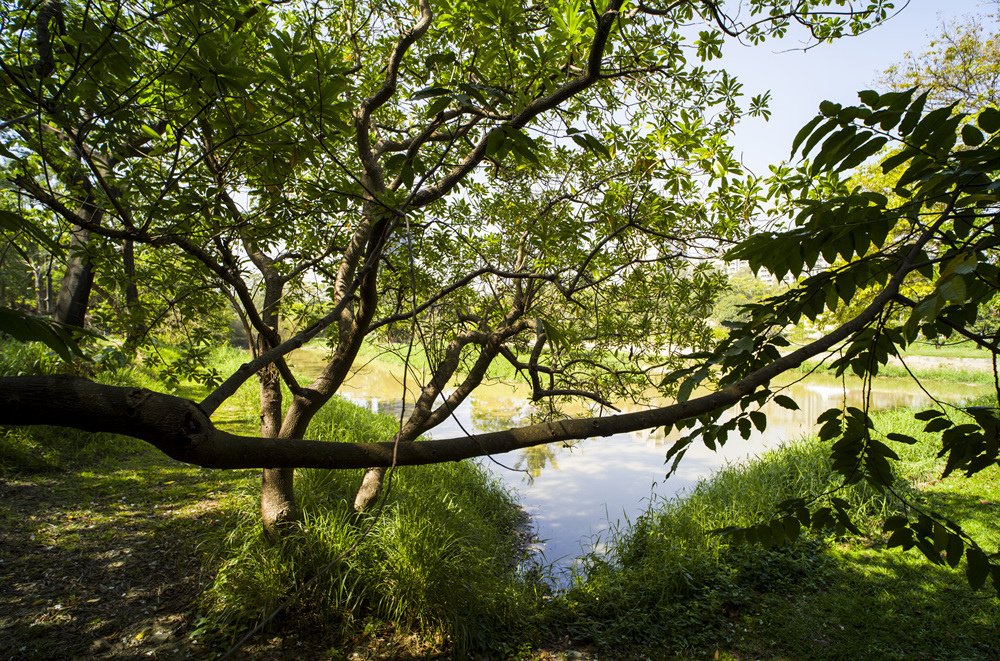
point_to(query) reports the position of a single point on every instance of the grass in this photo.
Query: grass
(441, 557)
(438, 565)
(950, 350)
(942, 374)
(668, 586)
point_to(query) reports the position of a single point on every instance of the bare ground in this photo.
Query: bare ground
(87, 572)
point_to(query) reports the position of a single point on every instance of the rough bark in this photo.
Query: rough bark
(277, 488)
(74, 293)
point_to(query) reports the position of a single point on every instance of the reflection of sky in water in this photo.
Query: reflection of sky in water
(578, 490)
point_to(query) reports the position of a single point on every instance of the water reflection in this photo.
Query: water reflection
(574, 492)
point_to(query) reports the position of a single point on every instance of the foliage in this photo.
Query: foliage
(741, 288)
(441, 555)
(239, 152)
(666, 579)
(960, 65)
(940, 223)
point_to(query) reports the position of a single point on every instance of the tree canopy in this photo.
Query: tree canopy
(533, 184)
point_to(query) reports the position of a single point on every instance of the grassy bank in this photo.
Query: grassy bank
(438, 560)
(109, 548)
(668, 584)
(157, 557)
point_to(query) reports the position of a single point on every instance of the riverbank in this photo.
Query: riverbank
(669, 586)
(108, 549)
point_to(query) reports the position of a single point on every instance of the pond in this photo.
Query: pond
(575, 492)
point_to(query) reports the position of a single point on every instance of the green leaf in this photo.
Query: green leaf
(901, 438)
(16, 223)
(954, 550)
(804, 131)
(938, 424)
(32, 329)
(869, 97)
(862, 153)
(895, 522)
(430, 92)
(745, 428)
(786, 402)
(989, 120)
(900, 537)
(977, 567)
(972, 136)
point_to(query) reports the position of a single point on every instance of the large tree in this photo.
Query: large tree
(514, 181)
(505, 182)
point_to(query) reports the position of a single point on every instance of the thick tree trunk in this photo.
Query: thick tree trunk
(277, 492)
(277, 500)
(74, 294)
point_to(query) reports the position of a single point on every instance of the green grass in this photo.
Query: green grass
(440, 560)
(943, 374)
(951, 350)
(669, 586)
(440, 556)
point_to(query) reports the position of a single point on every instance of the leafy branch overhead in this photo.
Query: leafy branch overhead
(941, 225)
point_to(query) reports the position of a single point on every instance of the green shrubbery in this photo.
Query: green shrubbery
(440, 555)
(668, 580)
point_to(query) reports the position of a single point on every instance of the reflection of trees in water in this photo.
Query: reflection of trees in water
(534, 459)
(496, 415)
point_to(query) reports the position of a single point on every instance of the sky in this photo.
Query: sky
(800, 80)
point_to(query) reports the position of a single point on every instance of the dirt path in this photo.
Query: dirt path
(104, 565)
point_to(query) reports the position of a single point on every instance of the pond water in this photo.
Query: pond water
(575, 492)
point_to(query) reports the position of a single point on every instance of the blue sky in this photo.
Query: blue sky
(800, 80)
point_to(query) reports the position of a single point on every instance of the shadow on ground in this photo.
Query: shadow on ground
(105, 564)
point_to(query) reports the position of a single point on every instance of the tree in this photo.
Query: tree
(501, 196)
(259, 143)
(961, 65)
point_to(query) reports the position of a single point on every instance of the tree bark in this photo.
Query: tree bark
(74, 294)
(277, 486)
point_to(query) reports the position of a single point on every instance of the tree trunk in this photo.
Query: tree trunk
(277, 488)
(136, 329)
(277, 493)
(74, 294)
(277, 500)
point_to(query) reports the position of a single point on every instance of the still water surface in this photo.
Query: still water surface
(575, 492)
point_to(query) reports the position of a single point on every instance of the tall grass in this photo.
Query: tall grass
(441, 555)
(667, 577)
